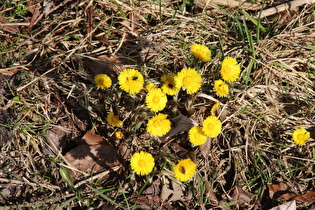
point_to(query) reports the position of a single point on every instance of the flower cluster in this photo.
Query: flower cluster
(156, 96)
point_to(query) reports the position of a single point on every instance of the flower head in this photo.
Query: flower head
(113, 120)
(156, 99)
(119, 135)
(103, 81)
(184, 170)
(149, 86)
(201, 52)
(131, 81)
(142, 163)
(196, 136)
(230, 69)
(190, 79)
(169, 86)
(214, 107)
(212, 126)
(221, 88)
(159, 125)
(300, 136)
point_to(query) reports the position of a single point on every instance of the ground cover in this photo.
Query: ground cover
(59, 149)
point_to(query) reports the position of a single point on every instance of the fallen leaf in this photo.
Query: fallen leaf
(10, 71)
(282, 192)
(205, 148)
(152, 202)
(92, 158)
(241, 196)
(291, 205)
(277, 190)
(154, 188)
(97, 66)
(174, 194)
(309, 196)
(90, 138)
(181, 123)
(177, 192)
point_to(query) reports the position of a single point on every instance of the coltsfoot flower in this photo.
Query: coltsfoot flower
(197, 136)
(190, 79)
(156, 100)
(300, 136)
(201, 52)
(149, 86)
(230, 69)
(142, 163)
(214, 107)
(221, 88)
(212, 126)
(113, 120)
(131, 81)
(169, 86)
(159, 125)
(103, 81)
(184, 170)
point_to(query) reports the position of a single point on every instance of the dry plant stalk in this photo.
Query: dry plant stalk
(286, 6)
(228, 3)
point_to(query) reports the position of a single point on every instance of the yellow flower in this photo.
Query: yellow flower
(190, 79)
(212, 126)
(214, 107)
(300, 136)
(156, 100)
(119, 135)
(201, 52)
(196, 136)
(113, 120)
(159, 125)
(221, 88)
(131, 81)
(142, 163)
(149, 86)
(184, 170)
(230, 70)
(103, 81)
(169, 86)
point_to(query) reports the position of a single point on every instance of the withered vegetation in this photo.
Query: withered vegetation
(53, 118)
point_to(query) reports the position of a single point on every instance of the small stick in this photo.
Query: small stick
(283, 7)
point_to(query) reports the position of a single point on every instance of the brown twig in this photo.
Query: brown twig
(286, 6)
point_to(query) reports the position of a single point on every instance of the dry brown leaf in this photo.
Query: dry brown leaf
(177, 192)
(10, 71)
(93, 139)
(174, 194)
(276, 190)
(10, 27)
(205, 148)
(35, 9)
(291, 205)
(165, 192)
(241, 196)
(154, 188)
(124, 150)
(181, 123)
(152, 202)
(92, 158)
(97, 66)
(309, 196)
(281, 192)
